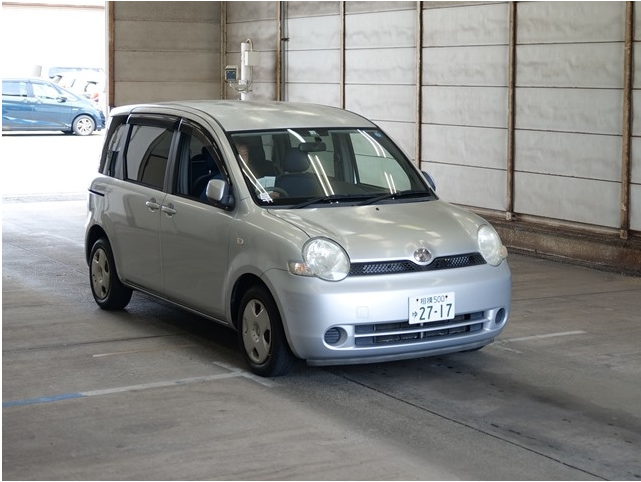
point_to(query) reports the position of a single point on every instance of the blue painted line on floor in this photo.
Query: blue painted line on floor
(33, 401)
(135, 388)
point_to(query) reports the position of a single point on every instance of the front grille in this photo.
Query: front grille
(406, 266)
(377, 334)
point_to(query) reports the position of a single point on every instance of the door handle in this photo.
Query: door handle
(169, 209)
(152, 204)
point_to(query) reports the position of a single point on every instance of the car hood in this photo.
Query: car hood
(390, 231)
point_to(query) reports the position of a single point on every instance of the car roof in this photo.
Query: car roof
(236, 115)
(27, 79)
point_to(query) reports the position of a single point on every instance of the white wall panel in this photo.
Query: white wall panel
(382, 102)
(569, 110)
(311, 9)
(140, 92)
(166, 51)
(636, 46)
(312, 58)
(636, 160)
(167, 66)
(465, 146)
(565, 154)
(465, 106)
(325, 94)
(470, 186)
(470, 66)
(568, 22)
(382, 66)
(636, 113)
(377, 6)
(206, 12)
(249, 11)
(381, 29)
(572, 199)
(313, 66)
(320, 33)
(635, 168)
(155, 36)
(462, 25)
(570, 65)
(635, 207)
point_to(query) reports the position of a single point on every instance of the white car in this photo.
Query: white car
(303, 227)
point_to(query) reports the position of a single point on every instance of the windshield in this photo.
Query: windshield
(305, 167)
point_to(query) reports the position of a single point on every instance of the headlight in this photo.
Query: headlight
(324, 258)
(490, 245)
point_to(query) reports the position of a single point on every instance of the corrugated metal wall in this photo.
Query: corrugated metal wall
(163, 50)
(517, 109)
(568, 93)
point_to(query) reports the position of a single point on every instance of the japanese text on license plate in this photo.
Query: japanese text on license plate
(434, 307)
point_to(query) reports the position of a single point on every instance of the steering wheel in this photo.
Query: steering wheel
(278, 190)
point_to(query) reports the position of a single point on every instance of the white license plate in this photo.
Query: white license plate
(433, 307)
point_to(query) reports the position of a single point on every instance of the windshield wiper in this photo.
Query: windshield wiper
(395, 195)
(325, 199)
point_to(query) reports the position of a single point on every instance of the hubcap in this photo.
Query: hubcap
(85, 126)
(256, 330)
(100, 274)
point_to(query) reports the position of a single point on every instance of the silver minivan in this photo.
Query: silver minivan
(303, 227)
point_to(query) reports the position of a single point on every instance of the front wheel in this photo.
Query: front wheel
(261, 335)
(107, 290)
(83, 125)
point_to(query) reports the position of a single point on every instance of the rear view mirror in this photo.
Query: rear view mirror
(317, 146)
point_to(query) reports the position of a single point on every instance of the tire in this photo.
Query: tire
(83, 125)
(261, 336)
(107, 290)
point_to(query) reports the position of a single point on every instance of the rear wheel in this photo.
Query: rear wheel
(83, 125)
(261, 335)
(108, 291)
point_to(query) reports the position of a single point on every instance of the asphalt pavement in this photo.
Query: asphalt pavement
(155, 393)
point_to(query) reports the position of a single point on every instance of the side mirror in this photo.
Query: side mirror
(62, 98)
(430, 180)
(219, 192)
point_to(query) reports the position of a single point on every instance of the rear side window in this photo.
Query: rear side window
(114, 147)
(148, 154)
(14, 88)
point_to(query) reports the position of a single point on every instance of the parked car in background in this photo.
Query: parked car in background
(33, 104)
(52, 72)
(304, 228)
(88, 84)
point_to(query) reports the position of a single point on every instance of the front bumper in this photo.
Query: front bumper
(364, 319)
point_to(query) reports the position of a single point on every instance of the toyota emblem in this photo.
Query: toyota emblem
(422, 255)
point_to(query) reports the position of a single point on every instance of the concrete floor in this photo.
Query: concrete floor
(156, 393)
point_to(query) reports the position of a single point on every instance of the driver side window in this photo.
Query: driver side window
(199, 163)
(42, 91)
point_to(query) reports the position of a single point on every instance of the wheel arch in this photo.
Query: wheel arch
(240, 288)
(94, 234)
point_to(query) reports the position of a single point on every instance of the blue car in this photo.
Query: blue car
(31, 104)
